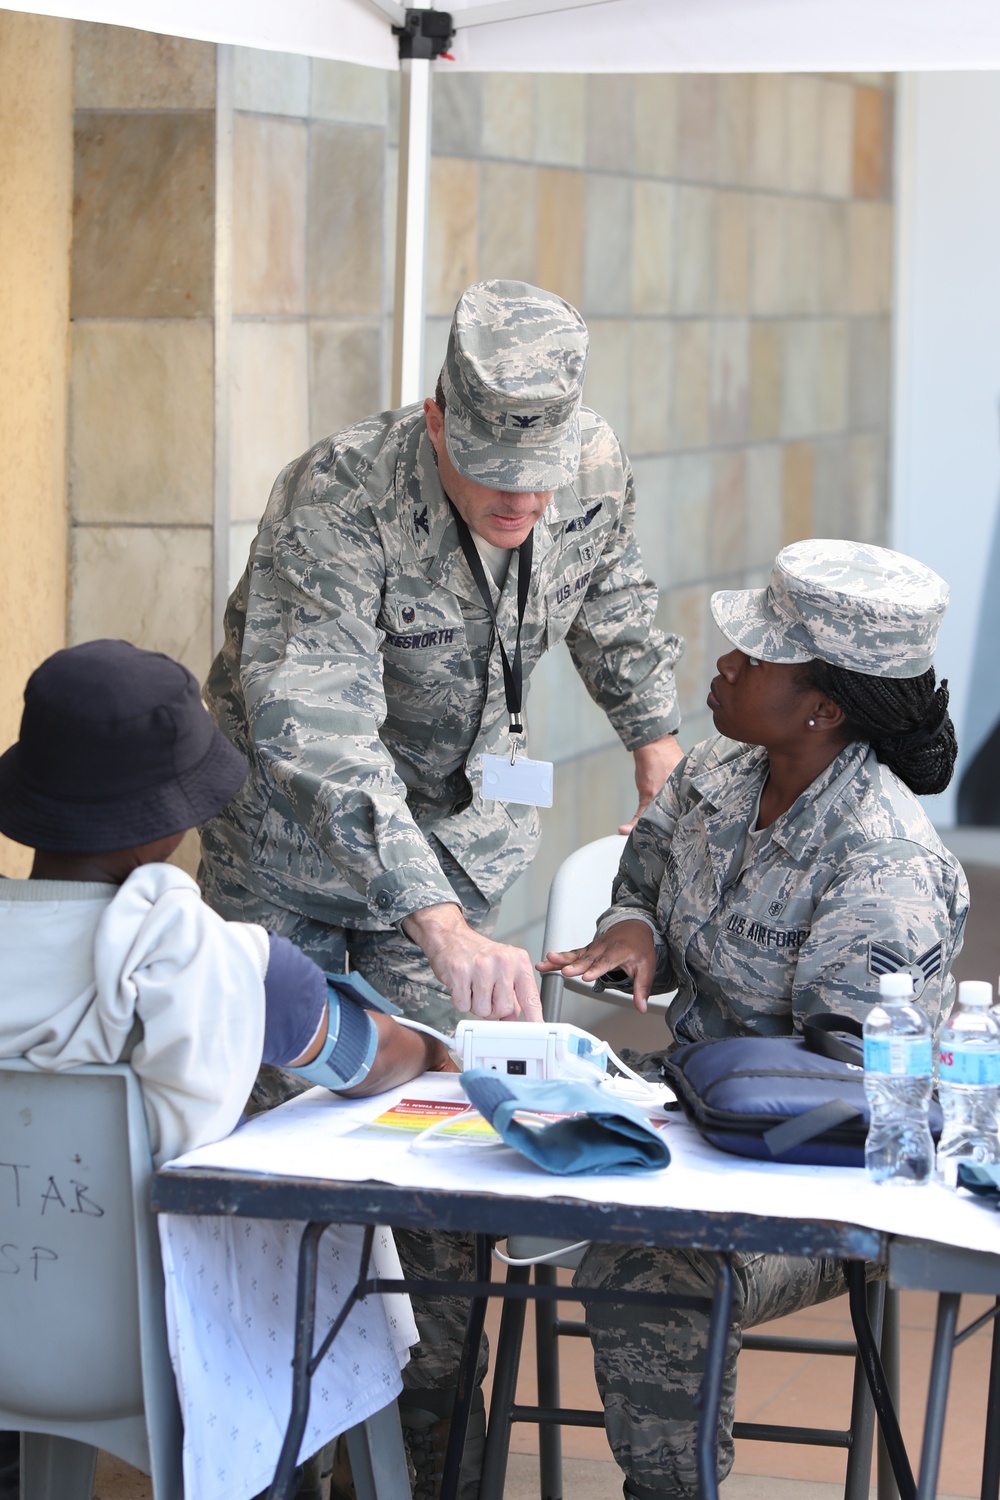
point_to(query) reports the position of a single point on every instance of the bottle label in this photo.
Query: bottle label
(969, 1065)
(901, 1056)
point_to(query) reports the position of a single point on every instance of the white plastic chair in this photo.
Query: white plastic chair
(84, 1362)
(580, 892)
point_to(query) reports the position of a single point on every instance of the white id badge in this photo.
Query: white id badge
(527, 781)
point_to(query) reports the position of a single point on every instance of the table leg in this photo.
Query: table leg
(888, 1489)
(991, 1452)
(863, 1421)
(711, 1382)
(871, 1360)
(937, 1394)
(466, 1383)
(547, 1365)
(305, 1318)
(506, 1362)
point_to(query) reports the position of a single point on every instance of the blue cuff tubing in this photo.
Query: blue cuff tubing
(346, 1056)
(295, 993)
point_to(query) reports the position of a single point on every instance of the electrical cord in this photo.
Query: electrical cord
(540, 1260)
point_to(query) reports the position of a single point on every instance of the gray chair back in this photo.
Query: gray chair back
(83, 1355)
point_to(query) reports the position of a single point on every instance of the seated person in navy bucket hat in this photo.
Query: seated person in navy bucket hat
(109, 954)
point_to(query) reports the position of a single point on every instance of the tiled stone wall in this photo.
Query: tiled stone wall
(141, 437)
(311, 262)
(727, 238)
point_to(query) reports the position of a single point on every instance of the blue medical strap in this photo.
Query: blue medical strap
(346, 1056)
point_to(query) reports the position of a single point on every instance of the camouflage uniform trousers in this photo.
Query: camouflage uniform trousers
(398, 970)
(649, 1361)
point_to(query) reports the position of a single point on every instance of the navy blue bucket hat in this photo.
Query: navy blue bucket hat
(116, 749)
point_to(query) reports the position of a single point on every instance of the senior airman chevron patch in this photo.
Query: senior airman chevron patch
(885, 960)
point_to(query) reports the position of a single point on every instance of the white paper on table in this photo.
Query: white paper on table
(306, 1138)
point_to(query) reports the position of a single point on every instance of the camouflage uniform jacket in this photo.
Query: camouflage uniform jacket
(361, 680)
(851, 882)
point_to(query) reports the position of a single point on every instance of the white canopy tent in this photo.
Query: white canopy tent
(578, 36)
(587, 36)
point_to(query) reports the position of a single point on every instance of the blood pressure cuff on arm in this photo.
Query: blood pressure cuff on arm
(346, 1057)
(566, 1126)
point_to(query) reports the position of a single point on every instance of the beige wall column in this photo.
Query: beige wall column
(141, 428)
(36, 187)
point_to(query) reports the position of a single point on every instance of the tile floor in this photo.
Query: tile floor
(809, 1390)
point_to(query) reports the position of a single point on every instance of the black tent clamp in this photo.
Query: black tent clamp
(426, 33)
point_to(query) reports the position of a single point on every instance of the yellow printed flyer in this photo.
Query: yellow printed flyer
(411, 1116)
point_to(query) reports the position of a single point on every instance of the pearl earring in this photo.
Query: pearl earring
(812, 723)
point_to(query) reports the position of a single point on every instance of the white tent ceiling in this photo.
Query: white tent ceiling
(610, 36)
(576, 36)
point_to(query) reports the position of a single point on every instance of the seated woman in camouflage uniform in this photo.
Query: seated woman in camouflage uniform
(784, 866)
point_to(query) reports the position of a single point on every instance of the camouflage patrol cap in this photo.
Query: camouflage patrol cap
(848, 603)
(512, 382)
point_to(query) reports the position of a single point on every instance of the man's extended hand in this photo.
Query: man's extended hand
(653, 764)
(490, 979)
(627, 945)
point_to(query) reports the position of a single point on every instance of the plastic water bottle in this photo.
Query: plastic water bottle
(969, 1081)
(899, 1068)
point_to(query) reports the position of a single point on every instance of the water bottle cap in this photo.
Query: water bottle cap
(975, 993)
(896, 987)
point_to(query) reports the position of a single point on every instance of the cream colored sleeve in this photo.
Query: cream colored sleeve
(196, 983)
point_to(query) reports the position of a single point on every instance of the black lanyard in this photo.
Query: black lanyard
(512, 675)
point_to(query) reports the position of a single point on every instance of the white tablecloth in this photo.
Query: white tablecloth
(230, 1301)
(306, 1138)
(220, 1272)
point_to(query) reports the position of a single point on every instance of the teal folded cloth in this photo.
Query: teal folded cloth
(601, 1133)
(984, 1181)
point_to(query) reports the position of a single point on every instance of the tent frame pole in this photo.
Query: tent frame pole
(411, 230)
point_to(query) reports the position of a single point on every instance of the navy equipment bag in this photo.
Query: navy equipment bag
(790, 1099)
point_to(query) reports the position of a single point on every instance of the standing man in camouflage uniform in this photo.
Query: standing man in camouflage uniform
(406, 577)
(785, 866)
(362, 678)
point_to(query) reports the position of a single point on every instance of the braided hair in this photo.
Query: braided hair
(904, 719)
